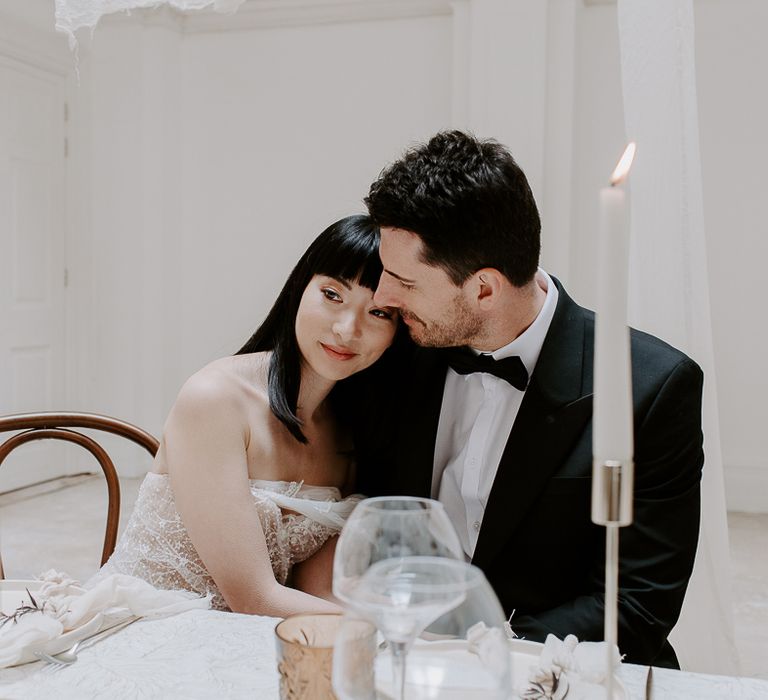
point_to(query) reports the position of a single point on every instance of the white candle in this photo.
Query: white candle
(612, 417)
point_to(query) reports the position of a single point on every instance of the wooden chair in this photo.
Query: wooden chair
(46, 426)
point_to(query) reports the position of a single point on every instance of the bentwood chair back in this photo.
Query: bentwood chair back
(59, 426)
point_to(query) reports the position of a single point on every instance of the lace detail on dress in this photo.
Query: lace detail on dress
(156, 547)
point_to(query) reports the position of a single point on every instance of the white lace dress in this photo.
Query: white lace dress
(155, 546)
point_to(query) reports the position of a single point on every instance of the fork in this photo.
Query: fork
(63, 658)
(69, 656)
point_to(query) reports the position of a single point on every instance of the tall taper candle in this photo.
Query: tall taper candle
(612, 420)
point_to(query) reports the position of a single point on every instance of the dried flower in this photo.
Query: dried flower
(546, 685)
(23, 609)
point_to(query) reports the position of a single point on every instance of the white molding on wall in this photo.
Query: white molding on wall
(25, 44)
(260, 14)
(163, 17)
(266, 14)
(746, 489)
(49, 51)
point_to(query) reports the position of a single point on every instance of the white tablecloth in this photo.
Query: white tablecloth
(208, 654)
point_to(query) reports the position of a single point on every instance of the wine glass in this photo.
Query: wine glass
(387, 528)
(443, 614)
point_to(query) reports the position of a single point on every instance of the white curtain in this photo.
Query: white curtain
(668, 287)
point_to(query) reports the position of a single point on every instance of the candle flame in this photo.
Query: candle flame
(624, 164)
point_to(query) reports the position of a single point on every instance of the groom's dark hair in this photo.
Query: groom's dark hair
(469, 203)
(347, 250)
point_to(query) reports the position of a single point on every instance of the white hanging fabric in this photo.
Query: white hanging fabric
(72, 15)
(668, 283)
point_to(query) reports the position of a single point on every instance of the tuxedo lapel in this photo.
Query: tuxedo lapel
(417, 433)
(554, 411)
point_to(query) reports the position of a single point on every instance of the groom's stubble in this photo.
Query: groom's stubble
(460, 326)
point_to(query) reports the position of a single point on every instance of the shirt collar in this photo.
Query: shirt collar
(529, 343)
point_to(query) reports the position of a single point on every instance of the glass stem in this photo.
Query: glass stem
(399, 651)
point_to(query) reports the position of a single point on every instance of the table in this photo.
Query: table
(204, 654)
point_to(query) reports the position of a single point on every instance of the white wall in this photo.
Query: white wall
(202, 163)
(283, 131)
(124, 212)
(206, 163)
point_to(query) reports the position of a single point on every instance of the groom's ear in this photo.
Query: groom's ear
(488, 282)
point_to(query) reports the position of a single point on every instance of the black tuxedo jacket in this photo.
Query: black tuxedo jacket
(538, 546)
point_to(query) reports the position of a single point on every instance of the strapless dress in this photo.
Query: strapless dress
(296, 519)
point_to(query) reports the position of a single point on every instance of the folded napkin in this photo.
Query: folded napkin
(490, 644)
(65, 607)
(575, 668)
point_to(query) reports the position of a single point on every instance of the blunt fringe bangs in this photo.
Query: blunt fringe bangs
(351, 252)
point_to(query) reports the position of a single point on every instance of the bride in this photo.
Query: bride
(246, 488)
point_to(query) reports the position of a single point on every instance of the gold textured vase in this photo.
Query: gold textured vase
(305, 655)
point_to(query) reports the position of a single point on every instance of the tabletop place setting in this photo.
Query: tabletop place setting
(421, 622)
(418, 622)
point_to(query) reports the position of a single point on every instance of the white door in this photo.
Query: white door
(32, 285)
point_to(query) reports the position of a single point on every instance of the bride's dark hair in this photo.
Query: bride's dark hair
(347, 250)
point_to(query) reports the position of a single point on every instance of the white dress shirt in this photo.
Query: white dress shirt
(476, 417)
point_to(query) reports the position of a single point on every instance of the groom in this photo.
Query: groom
(504, 441)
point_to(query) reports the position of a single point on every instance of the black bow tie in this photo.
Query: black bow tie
(510, 369)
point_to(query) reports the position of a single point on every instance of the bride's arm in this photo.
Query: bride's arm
(205, 446)
(315, 574)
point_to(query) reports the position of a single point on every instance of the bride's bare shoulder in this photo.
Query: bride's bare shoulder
(229, 382)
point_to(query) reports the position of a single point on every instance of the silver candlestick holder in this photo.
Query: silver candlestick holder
(612, 491)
